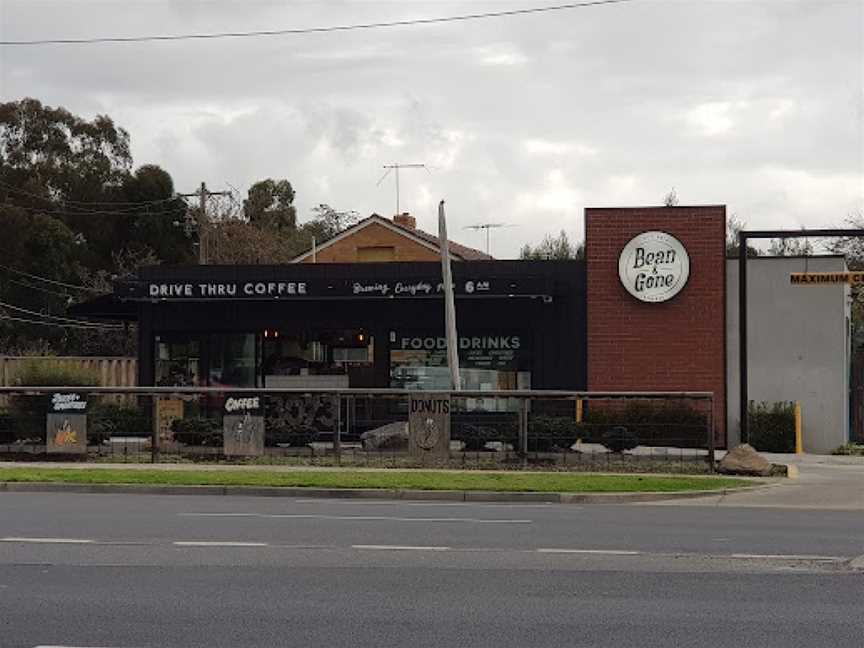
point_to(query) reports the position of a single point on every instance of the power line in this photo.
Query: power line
(49, 281)
(312, 30)
(47, 291)
(27, 311)
(43, 323)
(101, 212)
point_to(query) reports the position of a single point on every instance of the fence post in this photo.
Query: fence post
(711, 457)
(523, 427)
(154, 440)
(337, 438)
(799, 432)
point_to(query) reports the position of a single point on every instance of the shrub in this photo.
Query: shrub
(620, 438)
(47, 373)
(546, 433)
(772, 427)
(197, 431)
(653, 423)
(107, 420)
(855, 449)
(298, 420)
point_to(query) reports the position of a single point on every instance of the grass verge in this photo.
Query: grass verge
(390, 479)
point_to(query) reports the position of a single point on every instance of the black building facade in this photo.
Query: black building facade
(521, 325)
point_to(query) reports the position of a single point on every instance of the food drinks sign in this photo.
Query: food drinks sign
(654, 266)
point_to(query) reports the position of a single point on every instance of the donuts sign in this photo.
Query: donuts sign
(654, 266)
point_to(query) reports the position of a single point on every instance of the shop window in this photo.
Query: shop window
(486, 362)
(376, 253)
(232, 360)
(178, 361)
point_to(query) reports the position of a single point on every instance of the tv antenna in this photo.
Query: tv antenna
(395, 168)
(479, 227)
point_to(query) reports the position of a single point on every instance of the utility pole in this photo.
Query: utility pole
(395, 168)
(203, 194)
(449, 304)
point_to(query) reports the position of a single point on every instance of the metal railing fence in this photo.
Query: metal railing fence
(547, 429)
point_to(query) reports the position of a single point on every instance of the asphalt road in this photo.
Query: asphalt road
(158, 571)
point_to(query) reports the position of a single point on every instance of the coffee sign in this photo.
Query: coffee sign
(654, 266)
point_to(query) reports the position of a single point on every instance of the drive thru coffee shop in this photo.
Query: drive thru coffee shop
(646, 310)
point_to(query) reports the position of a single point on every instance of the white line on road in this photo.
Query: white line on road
(604, 552)
(507, 505)
(49, 540)
(356, 518)
(784, 557)
(217, 543)
(399, 548)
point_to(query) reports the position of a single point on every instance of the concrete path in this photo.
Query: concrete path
(824, 482)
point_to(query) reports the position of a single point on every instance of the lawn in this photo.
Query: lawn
(390, 479)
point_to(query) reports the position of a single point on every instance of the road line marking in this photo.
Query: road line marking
(49, 540)
(602, 552)
(785, 557)
(412, 503)
(217, 543)
(399, 548)
(359, 518)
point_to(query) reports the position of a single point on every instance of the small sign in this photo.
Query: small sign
(429, 425)
(654, 267)
(823, 278)
(72, 403)
(66, 433)
(168, 410)
(243, 426)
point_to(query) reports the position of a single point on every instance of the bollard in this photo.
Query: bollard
(799, 433)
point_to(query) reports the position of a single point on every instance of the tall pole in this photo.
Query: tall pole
(449, 304)
(203, 194)
(202, 227)
(744, 406)
(397, 191)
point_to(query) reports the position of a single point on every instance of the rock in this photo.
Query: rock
(744, 460)
(393, 436)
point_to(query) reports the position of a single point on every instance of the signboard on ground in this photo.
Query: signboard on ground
(429, 425)
(168, 410)
(66, 424)
(243, 426)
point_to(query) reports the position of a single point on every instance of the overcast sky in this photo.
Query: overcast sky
(524, 120)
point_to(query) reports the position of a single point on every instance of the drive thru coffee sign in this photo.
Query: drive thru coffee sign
(654, 266)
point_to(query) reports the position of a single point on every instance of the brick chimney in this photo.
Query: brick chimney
(405, 220)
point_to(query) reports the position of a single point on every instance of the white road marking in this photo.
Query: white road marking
(217, 543)
(784, 557)
(357, 518)
(399, 548)
(603, 552)
(508, 505)
(49, 540)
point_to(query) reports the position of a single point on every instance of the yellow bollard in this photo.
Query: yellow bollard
(579, 410)
(799, 436)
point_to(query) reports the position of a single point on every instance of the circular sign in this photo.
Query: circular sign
(427, 437)
(654, 266)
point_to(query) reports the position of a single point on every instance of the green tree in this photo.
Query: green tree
(734, 226)
(550, 247)
(270, 204)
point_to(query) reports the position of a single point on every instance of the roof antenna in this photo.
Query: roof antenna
(395, 167)
(487, 226)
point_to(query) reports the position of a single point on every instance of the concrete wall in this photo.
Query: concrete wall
(798, 346)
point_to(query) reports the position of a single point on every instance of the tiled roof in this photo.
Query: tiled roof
(456, 249)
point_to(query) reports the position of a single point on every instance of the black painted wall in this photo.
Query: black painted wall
(556, 329)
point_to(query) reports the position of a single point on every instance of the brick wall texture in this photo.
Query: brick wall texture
(374, 235)
(677, 345)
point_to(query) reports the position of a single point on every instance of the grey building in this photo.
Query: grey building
(798, 345)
